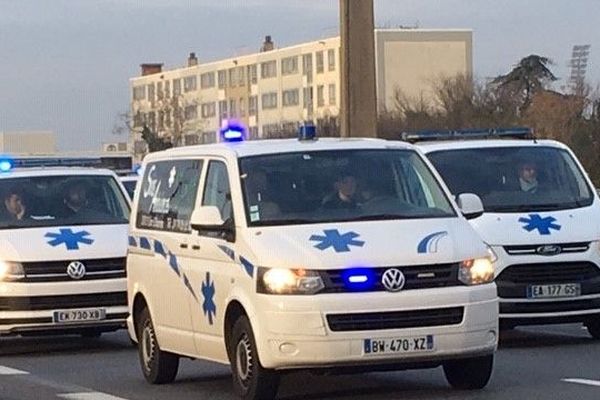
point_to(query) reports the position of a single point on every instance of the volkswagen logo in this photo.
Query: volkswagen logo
(393, 279)
(549, 250)
(76, 270)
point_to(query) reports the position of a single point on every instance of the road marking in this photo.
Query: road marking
(10, 371)
(588, 382)
(89, 396)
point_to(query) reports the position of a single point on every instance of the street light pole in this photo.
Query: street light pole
(358, 111)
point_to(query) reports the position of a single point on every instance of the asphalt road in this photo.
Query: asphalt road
(532, 363)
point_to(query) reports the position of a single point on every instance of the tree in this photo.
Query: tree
(528, 77)
(154, 142)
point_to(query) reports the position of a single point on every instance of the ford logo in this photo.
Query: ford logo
(549, 250)
(393, 279)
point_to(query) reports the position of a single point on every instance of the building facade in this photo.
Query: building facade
(28, 142)
(274, 90)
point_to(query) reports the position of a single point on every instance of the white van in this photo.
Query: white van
(313, 254)
(542, 221)
(63, 243)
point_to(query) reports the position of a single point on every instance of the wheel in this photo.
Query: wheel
(250, 380)
(91, 333)
(469, 373)
(158, 366)
(593, 327)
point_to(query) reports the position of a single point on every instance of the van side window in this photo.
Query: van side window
(217, 190)
(168, 194)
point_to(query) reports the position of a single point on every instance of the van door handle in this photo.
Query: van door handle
(183, 245)
(195, 247)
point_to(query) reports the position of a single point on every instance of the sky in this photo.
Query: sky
(65, 64)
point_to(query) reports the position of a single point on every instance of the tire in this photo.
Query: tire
(593, 328)
(250, 380)
(470, 373)
(158, 366)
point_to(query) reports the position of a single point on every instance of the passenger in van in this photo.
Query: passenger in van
(14, 203)
(259, 195)
(75, 200)
(528, 177)
(345, 193)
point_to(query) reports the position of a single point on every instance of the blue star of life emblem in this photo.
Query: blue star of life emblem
(70, 239)
(208, 292)
(339, 242)
(543, 225)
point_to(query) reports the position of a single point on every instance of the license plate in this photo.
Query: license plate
(88, 314)
(553, 291)
(419, 344)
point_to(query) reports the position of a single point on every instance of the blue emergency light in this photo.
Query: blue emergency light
(307, 132)
(359, 279)
(233, 132)
(465, 134)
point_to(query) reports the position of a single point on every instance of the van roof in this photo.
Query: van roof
(54, 171)
(277, 146)
(429, 147)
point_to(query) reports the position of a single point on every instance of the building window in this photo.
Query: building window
(207, 80)
(241, 73)
(331, 59)
(151, 92)
(167, 89)
(233, 77)
(268, 69)
(307, 66)
(252, 75)
(190, 113)
(289, 66)
(167, 119)
(242, 107)
(222, 79)
(269, 100)
(320, 96)
(176, 87)
(151, 121)
(270, 130)
(189, 83)
(232, 108)
(252, 105)
(159, 91)
(161, 120)
(253, 130)
(332, 95)
(291, 97)
(191, 139)
(307, 97)
(138, 119)
(320, 67)
(208, 110)
(139, 92)
(223, 109)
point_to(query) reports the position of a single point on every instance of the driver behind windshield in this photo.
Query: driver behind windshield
(345, 193)
(15, 205)
(528, 177)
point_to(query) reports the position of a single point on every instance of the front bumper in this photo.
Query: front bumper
(294, 335)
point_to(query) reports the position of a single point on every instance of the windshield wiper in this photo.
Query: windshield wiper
(531, 207)
(378, 217)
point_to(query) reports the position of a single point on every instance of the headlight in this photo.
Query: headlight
(10, 271)
(491, 253)
(476, 272)
(288, 281)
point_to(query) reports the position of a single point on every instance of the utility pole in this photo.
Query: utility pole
(358, 112)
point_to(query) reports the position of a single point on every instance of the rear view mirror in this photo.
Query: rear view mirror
(470, 205)
(208, 221)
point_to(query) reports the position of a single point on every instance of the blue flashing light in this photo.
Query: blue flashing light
(5, 165)
(232, 131)
(359, 279)
(307, 132)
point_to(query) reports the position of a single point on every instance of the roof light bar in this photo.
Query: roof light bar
(465, 134)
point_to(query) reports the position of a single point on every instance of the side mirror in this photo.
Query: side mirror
(208, 221)
(470, 204)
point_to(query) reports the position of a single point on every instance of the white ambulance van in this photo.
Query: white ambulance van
(63, 245)
(290, 254)
(541, 220)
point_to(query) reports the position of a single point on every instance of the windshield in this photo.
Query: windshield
(335, 186)
(43, 201)
(130, 187)
(515, 179)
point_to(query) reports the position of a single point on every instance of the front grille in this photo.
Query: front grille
(530, 249)
(56, 271)
(395, 319)
(417, 277)
(514, 280)
(549, 306)
(36, 303)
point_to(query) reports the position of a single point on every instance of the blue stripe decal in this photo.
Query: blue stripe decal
(248, 266)
(430, 242)
(159, 249)
(132, 241)
(230, 253)
(173, 263)
(188, 285)
(145, 243)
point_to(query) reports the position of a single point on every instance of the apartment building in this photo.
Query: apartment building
(273, 90)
